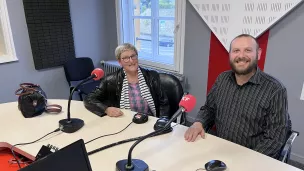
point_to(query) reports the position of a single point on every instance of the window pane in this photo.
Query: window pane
(2, 42)
(166, 41)
(143, 42)
(166, 8)
(142, 7)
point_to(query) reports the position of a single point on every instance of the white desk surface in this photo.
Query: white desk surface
(162, 153)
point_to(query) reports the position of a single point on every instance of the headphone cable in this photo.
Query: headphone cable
(125, 141)
(109, 134)
(56, 130)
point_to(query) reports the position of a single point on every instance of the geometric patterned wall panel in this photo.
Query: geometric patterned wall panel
(227, 19)
(50, 31)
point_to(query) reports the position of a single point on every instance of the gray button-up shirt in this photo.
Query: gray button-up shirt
(253, 115)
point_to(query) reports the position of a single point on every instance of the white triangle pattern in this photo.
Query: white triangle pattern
(227, 19)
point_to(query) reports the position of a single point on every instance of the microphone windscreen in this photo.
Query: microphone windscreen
(188, 102)
(99, 73)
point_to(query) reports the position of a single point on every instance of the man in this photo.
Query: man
(247, 106)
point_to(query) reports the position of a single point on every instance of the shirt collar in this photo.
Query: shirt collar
(255, 79)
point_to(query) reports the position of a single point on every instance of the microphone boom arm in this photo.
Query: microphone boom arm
(177, 113)
(72, 92)
(71, 125)
(129, 163)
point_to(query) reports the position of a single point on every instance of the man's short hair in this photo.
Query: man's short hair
(245, 35)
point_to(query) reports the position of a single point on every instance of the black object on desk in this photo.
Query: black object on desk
(215, 165)
(45, 150)
(140, 118)
(161, 123)
(72, 157)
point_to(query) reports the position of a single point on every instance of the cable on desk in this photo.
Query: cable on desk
(109, 134)
(122, 142)
(56, 130)
(112, 145)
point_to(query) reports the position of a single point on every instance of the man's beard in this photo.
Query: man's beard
(253, 65)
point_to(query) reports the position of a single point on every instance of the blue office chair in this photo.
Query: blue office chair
(78, 69)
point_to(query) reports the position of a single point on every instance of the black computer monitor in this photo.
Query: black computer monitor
(73, 157)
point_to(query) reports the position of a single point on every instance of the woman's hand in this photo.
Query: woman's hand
(113, 112)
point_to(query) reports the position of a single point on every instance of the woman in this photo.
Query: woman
(131, 87)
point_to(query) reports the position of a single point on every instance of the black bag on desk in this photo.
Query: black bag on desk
(32, 101)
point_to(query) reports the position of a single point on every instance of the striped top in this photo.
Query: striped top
(137, 102)
(144, 91)
(254, 115)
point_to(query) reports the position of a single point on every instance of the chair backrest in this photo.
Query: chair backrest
(78, 68)
(174, 91)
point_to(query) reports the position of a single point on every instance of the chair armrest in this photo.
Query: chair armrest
(287, 147)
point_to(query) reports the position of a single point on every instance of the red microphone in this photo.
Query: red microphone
(188, 102)
(97, 73)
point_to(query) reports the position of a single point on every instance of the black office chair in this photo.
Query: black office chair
(78, 69)
(286, 150)
(174, 91)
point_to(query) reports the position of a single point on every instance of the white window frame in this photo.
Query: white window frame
(7, 34)
(179, 37)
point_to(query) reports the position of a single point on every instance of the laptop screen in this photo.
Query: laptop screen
(73, 157)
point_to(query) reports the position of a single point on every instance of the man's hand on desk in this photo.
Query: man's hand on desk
(195, 130)
(113, 112)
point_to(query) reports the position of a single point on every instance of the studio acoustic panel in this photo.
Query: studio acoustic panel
(50, 31)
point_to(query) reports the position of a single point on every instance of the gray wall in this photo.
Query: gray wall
(90, 31)
(111, 28)
(93, 28)
(285, 61)
(196, 57)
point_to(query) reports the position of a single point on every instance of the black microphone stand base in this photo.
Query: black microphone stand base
(137, 165)
(70, 126)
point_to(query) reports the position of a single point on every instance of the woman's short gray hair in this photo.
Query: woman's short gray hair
(124, 47)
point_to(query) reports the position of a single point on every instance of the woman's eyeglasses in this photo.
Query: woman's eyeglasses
(127, 59)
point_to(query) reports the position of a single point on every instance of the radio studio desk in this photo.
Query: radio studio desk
(169, 152)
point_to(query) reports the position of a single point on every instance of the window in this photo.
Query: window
(156, 28)
(7, 49)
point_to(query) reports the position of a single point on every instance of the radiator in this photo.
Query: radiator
(112, 66)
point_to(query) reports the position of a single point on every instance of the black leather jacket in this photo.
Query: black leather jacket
(109, 92)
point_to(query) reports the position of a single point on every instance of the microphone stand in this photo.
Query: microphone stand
(71, 125)
(139, 165)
